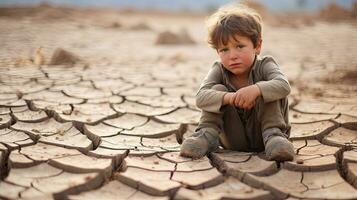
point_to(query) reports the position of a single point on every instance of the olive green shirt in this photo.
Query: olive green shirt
(265, 73)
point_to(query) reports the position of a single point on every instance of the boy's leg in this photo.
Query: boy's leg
(274, 116)
(274, 128)
(253, 129)
(225, 126)
(234, 136)
(206, 136)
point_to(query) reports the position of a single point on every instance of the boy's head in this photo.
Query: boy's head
(233, 20)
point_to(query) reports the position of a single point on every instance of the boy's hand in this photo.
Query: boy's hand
(245, 97)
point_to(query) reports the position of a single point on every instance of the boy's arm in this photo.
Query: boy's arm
(209, 99)
(276, 85)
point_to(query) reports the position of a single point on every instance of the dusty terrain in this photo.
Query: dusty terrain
(109, 126)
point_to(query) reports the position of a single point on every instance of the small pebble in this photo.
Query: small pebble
(35, 130)
(299, 161)
(248, 190)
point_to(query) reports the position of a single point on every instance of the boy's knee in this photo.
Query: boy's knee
(220, 87)
(273, 114)
(272, 108)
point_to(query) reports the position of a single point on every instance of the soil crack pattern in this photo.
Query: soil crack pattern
(106, 120)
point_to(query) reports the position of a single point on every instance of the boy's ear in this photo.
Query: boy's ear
(258, 47)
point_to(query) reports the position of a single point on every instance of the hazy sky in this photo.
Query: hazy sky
(186, 4)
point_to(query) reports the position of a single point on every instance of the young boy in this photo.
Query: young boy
(244, 96)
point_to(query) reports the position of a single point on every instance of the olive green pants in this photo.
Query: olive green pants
(248, 130)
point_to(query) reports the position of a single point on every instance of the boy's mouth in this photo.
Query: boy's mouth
(235, 64)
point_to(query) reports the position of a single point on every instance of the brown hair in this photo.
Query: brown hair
(231, 20)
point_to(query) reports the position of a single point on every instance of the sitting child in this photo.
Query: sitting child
(243, 98)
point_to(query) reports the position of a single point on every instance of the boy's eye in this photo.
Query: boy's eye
(223, 50)
(240, 46)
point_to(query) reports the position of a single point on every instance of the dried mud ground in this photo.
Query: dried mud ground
(109, 127)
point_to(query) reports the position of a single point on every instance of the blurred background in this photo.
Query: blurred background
(317, 37)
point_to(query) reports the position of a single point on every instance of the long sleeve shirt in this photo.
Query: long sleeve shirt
(265, 73)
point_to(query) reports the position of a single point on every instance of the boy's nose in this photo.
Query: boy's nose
(233, 54)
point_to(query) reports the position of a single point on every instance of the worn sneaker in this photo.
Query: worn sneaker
(201, 143)
(280, 149)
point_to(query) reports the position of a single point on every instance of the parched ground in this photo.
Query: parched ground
(110, 126)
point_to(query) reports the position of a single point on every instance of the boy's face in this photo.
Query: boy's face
(238, 54)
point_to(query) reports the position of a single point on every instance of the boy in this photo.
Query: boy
(244, 96)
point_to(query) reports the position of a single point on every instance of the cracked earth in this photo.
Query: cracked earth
(111, 127)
